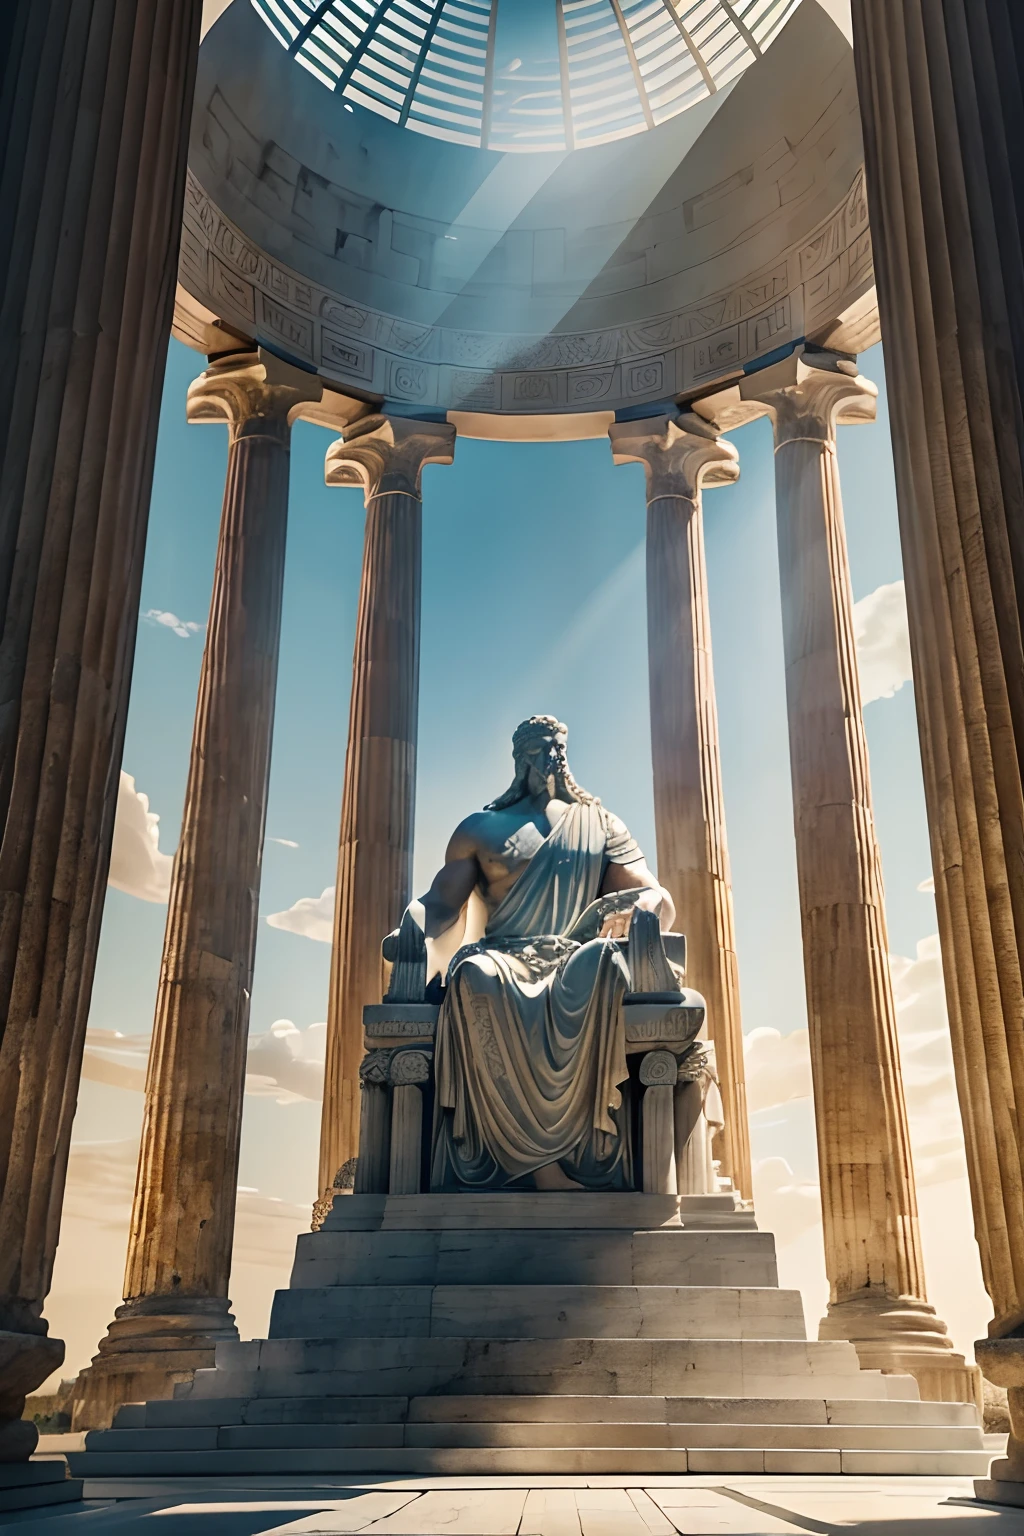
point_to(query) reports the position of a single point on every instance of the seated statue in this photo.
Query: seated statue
(530, 1064)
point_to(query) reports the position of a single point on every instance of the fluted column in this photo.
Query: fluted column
(94, 114)
(179, 1253)
(940, 91)
(386, 456)
(868, 1200)
(680, 458)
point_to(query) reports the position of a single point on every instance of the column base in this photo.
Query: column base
(151, 1346)
(1002, 1361)
(26, 1359)
(903, 1336)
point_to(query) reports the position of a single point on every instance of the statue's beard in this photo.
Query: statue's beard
(565, 788)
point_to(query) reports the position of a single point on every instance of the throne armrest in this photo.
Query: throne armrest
(406, 950)
(651, 973)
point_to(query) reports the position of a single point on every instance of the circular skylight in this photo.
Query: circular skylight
(525, 74)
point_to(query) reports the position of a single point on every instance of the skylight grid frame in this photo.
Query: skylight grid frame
(272, 16)
(339, 47)
(623, 65)
(311, 49)
(373, 82)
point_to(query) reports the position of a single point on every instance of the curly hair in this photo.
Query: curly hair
(526, 735)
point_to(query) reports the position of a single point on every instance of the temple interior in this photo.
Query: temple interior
(534, 1259)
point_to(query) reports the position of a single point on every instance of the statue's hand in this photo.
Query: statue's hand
(616, 924)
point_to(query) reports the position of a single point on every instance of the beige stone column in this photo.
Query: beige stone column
(939, 90)
(869, 1206)
(680, 458)
(176, 1304)
(386, 455)
(94, 112)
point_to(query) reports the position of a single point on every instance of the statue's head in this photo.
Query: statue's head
(542, 764)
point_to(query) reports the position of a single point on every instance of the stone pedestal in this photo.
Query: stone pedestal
(869, 1209)
(940, 99)
(179, 1257)
(680, 458)
(386, 457)
(96, 100)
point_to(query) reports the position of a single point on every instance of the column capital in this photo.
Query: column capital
(387, 454)
(255, 393)
(680, 454)
(807, 400)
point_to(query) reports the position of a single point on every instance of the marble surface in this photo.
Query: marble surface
(535, 1506)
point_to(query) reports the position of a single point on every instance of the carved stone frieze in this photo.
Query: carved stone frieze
(658, 1069)
(411, 1067)
(803, 292)
(648, 1025)
(375, 1067)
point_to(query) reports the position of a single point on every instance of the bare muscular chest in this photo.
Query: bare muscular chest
(506, 846)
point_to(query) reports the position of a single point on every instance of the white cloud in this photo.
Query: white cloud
(778, 1067)
(883, 641)
(927, 1059)
(285, 1063)
(115, 1059)
(311, 916)
(285, 842)
(186, 628)
(136, 864)
(786, 1205)
(927, 886)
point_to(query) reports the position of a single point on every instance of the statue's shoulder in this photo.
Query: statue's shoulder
(470, 835)
(621, 847)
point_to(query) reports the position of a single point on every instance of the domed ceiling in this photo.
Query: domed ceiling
(525, 74)
(617, 276)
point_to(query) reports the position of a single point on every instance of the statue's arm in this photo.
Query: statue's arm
(632, 877)
(452, 886)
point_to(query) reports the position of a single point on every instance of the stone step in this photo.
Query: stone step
(691, 1410)
(192, 1412)
(36, 1484)
(780, 1436)
(508, 1211)
(538, 1312)
(463, 1435)
(188, 1412)
(491, 1461)
(414, 1367)
(576, 1256)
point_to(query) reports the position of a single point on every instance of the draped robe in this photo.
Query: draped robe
(531, 1050)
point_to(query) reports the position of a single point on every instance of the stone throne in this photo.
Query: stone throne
(671, 1104)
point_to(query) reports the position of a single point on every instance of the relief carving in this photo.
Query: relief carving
(515, 372)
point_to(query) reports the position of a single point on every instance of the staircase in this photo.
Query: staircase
(537, 1334)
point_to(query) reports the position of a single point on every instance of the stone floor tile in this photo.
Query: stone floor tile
(609, 1512)
(354, 1514)
(705, 1512)
(462, 1512)
(550, 1512)
(657, 1523)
